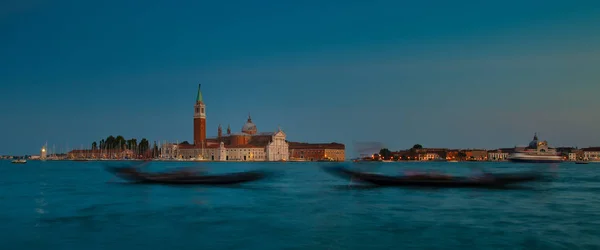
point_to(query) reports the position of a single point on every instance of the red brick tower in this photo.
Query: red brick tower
(199, 120)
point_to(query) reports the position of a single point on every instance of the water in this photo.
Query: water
(77, 205)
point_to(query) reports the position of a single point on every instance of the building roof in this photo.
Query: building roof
(565, 149)
(303, 145)
(187, 146)
(591, 149)
(249, 127)
(237, 134)
(244, 134)
(430, 150)
(260, 140)
(245, 146)
(197, 147)
(474, 150)
(199, 96)
(257, 140)
(507, 150)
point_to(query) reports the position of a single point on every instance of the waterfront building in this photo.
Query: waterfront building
(426, 154)
(576, 155)
(476, 154)
(452, 155)
(591, 154)
(429, 156)
(401, 154)
(565, 152)
(421, 154)
(168, 150)
(266, 146)
(498, 154)
(317, 151)
(249, 145)
(572, 156)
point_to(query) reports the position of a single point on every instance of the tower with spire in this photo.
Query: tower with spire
(199, 119)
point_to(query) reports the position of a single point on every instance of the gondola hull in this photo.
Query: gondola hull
(493, 180)
(132, 174)
(225, 179)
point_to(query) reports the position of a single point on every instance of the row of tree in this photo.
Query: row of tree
(120, 143)
(386, 153)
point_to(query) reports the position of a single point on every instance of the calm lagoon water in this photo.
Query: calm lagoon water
(77, 205)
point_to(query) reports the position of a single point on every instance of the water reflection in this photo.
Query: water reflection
(304, 209)
(198, 198)
(40, 200)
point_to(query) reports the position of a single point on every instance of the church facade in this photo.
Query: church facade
(248, 145)
(537, 147)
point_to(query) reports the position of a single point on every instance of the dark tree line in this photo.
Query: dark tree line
(386, 153)
(120, 143)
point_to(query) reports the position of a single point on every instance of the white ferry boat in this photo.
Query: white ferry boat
(536, 152)
(19, 161)
(534, 158)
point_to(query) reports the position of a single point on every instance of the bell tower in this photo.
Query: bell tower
(199, 120)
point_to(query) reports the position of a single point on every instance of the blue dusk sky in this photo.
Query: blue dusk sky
(457, 74)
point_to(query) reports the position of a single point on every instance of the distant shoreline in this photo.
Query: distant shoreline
(196, 161)
(155, 160)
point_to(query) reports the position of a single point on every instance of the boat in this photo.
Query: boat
(487, 180)
(185, 177)
(581, 162)
(534, 158)
(19, 161)
(536, 152)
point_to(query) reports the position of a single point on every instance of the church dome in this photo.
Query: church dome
(249, 127)
(534, 142)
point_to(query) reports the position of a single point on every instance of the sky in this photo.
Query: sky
(454, 74)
